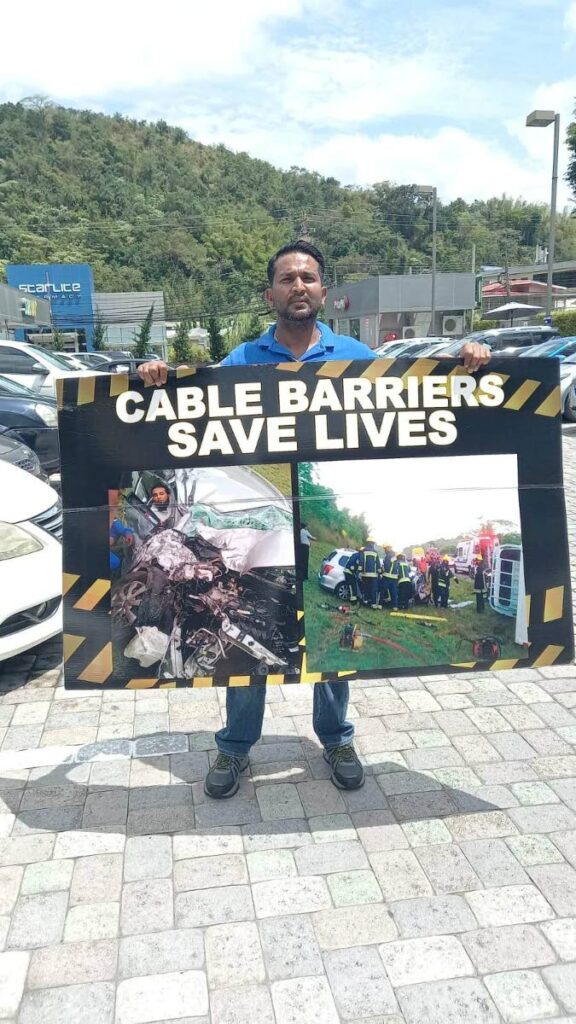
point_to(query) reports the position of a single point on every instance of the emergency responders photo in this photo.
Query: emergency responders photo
(402, 571)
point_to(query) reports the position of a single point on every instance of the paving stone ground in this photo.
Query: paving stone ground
(443, 892)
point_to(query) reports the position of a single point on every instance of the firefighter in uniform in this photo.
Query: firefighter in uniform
(432, 578)
(479, 584)
(351, 571)
(445, 574)
(369, 571)
(388, 585)
(404, 581)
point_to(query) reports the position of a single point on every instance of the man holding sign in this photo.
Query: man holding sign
(296, 292)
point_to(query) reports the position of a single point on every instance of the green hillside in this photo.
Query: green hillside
(150, 208)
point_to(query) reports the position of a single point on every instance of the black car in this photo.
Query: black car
(32, 419)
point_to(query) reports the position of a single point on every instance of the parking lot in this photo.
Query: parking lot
(443, 891)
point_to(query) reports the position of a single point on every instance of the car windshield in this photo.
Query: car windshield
(561, 347)
(13, 390)
(50, 357)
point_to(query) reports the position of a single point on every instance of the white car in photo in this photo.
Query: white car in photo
(331, 575)
(30, 561)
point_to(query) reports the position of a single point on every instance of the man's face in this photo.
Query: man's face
(160, 497)
(297, 292)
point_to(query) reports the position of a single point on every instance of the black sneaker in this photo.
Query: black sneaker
(223, 779)
(347, 772)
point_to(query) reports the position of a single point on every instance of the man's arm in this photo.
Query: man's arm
(474, 355)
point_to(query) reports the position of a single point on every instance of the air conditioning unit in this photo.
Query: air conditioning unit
(453, 325)
(409, 332)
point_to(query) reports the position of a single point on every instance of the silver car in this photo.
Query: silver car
(563, 349)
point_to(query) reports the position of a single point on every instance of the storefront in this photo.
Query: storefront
(20, 312)
(399, 305)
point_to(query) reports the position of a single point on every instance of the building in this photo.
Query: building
(19, 312)
(66, 291)
(528, 283)
(67, 287)
(122, 314)
(399, 305)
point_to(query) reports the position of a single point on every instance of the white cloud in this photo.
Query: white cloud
(72, 53)
(328, 86)
(570, 17)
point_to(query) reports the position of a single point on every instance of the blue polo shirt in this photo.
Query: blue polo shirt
(267, 350)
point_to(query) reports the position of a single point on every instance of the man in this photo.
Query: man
(479, 584)
(388, 586)
(305, 538)
(404, 581)
(369, 571)
(167, 514)
(351, 570)
(296, 292)
(445, 574)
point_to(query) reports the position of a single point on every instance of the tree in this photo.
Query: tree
(57, 340)
(99, 335)
(181, 347)
(142, 336)
(254, 326)
(217, 346)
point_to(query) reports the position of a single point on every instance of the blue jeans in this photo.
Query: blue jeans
(245, 713)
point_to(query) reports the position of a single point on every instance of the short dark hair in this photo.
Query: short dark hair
(162, 485)
(299, 246)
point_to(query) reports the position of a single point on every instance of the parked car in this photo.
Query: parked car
(36, 367)
(92, 360)
(563, 349)
(125, 365)
(30, 561)
(18, 454)
(331, 575)
(72, 360)
(35, 422)
(505, 339)
(408, 347)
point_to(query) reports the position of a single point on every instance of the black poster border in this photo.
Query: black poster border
(97, 448)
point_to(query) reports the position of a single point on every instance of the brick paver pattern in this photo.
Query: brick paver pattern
(443, 892)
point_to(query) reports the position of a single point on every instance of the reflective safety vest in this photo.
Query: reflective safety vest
(390, 568)
(404, 572)
(479, 584)
(353, 564)
(444, 577)
(369, 563)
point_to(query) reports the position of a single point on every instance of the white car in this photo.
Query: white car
(411, 347)
(30, 561)
(331, 575)
(35, 367)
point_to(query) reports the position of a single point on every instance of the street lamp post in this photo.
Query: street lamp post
(431, 190)
(542, 119)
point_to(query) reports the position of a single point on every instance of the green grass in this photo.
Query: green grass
(278, 475)
(445, 643)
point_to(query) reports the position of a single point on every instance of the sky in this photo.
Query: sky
(361, 90)
(413, 500)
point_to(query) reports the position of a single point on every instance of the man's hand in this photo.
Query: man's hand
(474, 354)
(154, 372)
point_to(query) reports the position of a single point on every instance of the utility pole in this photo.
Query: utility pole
(474, 273)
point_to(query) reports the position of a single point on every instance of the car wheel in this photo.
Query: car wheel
(570, 404)
(342, 592)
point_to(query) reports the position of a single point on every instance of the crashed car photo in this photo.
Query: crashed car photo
(203, 573)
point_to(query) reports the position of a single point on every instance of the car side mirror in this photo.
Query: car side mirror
(40, 369)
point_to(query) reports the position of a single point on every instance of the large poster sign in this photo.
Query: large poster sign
(308, 521)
